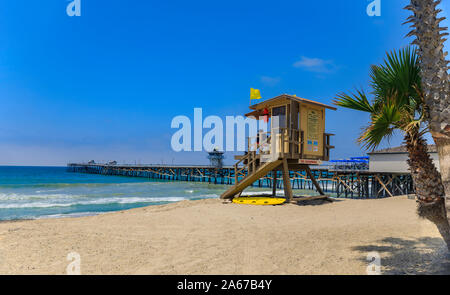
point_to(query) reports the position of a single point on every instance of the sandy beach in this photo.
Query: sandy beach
(213, 237)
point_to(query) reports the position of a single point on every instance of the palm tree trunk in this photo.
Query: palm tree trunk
(435, 78)
(428, 184)
(443, 146)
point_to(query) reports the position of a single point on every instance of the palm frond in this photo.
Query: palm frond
(357, 101)
(399, 74)
(382, 126)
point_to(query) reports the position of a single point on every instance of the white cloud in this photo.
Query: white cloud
(270, 81)
(315, 65)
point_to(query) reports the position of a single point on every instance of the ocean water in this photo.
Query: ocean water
(52, 192)
(46, 192)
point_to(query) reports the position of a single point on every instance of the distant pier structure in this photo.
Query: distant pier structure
(353, 184)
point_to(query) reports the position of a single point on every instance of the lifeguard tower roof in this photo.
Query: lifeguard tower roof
(259, 107)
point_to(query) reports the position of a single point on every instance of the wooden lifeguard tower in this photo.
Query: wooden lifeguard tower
(295, 140)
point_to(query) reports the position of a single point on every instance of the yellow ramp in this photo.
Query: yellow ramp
(250, 179)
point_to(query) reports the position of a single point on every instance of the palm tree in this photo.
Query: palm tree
(398, 104)
(436, 87)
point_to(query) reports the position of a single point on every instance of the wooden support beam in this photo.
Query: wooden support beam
(346, 185)
(391, 179)
(314, 181)
(383, 185)
(274, 182)
(287, 182)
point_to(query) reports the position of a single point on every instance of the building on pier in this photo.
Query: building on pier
(216, 158)
(395, 159)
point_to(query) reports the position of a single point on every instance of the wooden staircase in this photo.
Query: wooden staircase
(252, 176)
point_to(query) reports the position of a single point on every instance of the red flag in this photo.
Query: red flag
(266, 115)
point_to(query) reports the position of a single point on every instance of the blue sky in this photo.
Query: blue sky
(107, 84)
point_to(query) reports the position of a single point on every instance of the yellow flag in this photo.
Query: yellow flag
(255, 94)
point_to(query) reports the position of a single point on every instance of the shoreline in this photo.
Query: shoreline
(249, 194)
(69, 216)
(150, 204)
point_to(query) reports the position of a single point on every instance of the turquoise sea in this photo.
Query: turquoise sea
(46, 192)
(52, 192)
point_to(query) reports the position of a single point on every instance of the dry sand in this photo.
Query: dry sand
(210, 237)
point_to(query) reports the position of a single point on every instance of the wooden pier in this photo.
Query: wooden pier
(342, 184)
